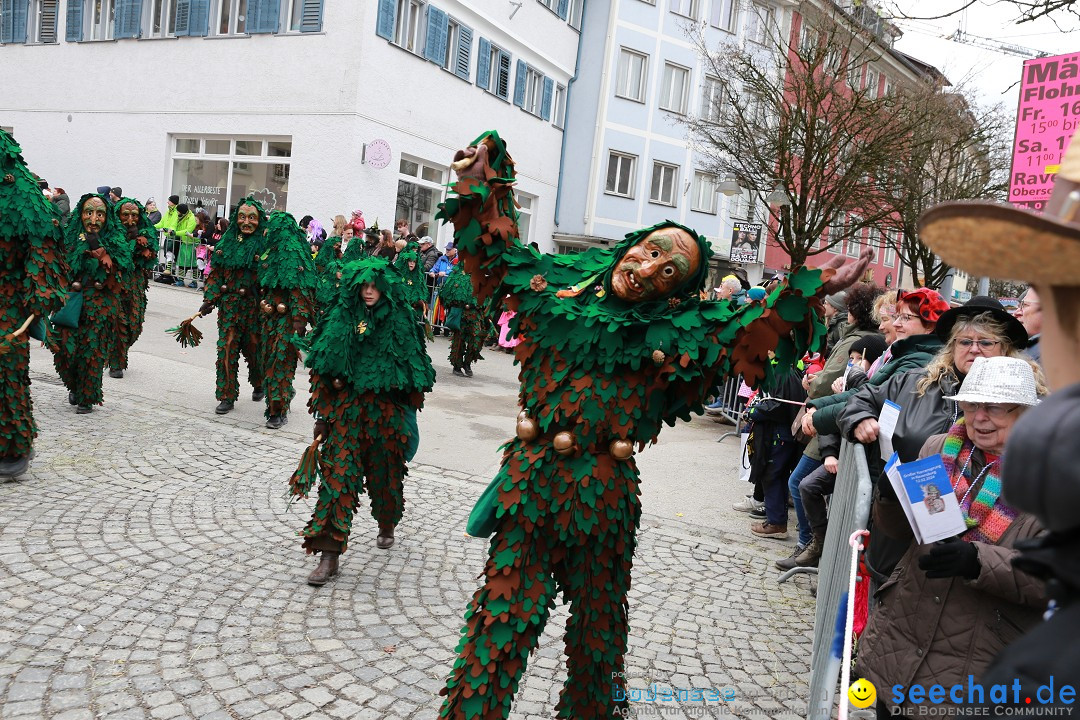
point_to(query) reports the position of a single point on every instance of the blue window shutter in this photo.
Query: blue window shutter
(464, 50)
(311, 16)
(545, 105)
(384, 25)
(564, 9)
(18, 32)
(74, 30)
(483, 64)
(7, 21)
(199, 20)
(126, 19)
(263, 16)
(49, 10)
(183, 15)
(435, 47)
(519, 84)
(502, 81)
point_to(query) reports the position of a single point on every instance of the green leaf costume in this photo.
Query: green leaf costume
(80, 352)
(287, 283)
(468, 340)
(33, 279)
(234, 288)
(133, 285)
(369, 373)
(599, 376)
(415, 289)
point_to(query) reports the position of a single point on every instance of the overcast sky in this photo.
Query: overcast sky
(994, 75)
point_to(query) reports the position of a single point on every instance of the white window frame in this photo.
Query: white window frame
(234, 161)
(725, 15)
(293, 11)
(668, 91)
(573, 15)
(526, 212)
(410, 22)
(623, 84)
(759, 23)
(35, 18)
(498, 70)
(712, 99)
(669, 175)
(871, 88)
(558, 107)
(686, 8)
(704, 192)
(236, 17)
(168, 19)
(740, 207)
(626, 169)
(100, 26)
(873, 241)
(888, 250)
(534, 91)
(453, 34)
(853, 245)
(436, 186)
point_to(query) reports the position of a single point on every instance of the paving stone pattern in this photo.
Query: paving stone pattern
(149, 568)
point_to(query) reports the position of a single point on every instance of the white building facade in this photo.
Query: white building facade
(318, 107)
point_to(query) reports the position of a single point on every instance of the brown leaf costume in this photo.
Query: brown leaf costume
(599, 375)
(33, 277)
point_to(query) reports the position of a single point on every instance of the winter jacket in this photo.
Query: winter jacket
(908, 353)
(829, 443)
(444, 264)
(63, 206)
(169, 219)
(185, 228)
(834, 368)
(428, 258)
(837, 328)
(938, 631)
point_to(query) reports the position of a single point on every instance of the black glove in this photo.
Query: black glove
(885, 490)
(322, 430)
(206, 309)
(93, 241)
(951, 558)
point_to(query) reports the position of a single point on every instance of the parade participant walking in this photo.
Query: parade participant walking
(99, 255)
(616, 342)
(413, 285)
(369, 373)
(234, 289)
(287, 283)
(140, 231)
(470, 324)
(34, 273)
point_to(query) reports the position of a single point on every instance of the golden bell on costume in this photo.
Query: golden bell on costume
(621, 449)
(527, 428)
(563, 442)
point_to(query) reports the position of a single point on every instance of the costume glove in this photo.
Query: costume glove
(206, 309)
(952, 558)
(322, 429)
(92, 241)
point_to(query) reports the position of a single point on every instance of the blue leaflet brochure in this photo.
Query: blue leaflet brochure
(926, 496)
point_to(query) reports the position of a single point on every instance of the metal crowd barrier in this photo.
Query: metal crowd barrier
(849, 511)
(734, 405)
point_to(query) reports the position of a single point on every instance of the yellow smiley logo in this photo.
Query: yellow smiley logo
(862, 693)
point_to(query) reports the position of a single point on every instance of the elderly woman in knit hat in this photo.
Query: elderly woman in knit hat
(950, 606)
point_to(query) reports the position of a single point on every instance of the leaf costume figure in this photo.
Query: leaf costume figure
(369, 373)
(33, 275)
(233, 287)
(99, 256)
(616, 343)
(287, 296)
(414, 286)
(139, 230)
(468, 338)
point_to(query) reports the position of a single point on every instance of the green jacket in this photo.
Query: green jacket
(185, 226)
(168, 219)
(835, 366)
(907, 354)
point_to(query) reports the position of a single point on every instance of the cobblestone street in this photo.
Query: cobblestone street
(142, 577)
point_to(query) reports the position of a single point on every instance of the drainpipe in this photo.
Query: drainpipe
(566, 115)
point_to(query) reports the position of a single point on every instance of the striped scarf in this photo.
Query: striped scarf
(987, 517)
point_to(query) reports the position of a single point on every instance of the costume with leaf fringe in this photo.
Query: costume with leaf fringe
(286, 278)
(468, 340)
(80, 353)
(603, 370)
(133, 285)
(33, 280)
(415, 287)
(328, 264)
(369, 373)
(234, 269)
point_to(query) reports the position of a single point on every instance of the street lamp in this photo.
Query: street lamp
(729, 187)
(778, 196)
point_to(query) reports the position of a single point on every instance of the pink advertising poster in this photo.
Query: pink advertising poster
(1046, 119)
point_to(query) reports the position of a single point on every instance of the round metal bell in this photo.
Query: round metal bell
(281, 308)
(224, 288)
(563, 442)
(338, 383)
(219, 253)
(242, 291)
(98, 286)
(527, 429)
(523, 414)
(621, 449)
(76, 286)
(267, 309)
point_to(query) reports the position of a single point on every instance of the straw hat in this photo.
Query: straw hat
(1004, 380)
(1002, 241)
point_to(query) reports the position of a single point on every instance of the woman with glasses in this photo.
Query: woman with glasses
(980, 328)
(949, 607)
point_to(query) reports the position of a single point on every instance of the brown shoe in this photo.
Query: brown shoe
(385, 540)
(811, 556)
(766, 529)
(327, 568)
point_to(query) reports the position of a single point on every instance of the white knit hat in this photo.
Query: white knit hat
(1004, 380)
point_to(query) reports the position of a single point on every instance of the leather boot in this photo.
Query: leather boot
(468, 370)
(223, 407)
(812, 554)
(326, 569)
(385, 540)
(71, 399)
(84, 409)
(116, 373)
(14, 466)
(458, 371)
(257, 394)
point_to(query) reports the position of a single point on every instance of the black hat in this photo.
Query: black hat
(978, 305)
(174, 199)
(869, 346)
(1041, 475)
(103, 189)
(117, 192)
(182, 209)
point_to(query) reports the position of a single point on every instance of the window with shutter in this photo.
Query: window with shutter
(563, 9)
(545, 104)
(311, 16)
(519, 84)
(263, 16)
(502, 81)
(47, 21)
(73, 31)
(18, 29)
(199, 18)
(127, 20)
(483, 64)
(464, 50)
(437, 27)
(7, 17)
(183, 15)
(384, 24)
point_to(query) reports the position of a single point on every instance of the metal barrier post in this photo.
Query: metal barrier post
(731, 409)
(848, 512)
